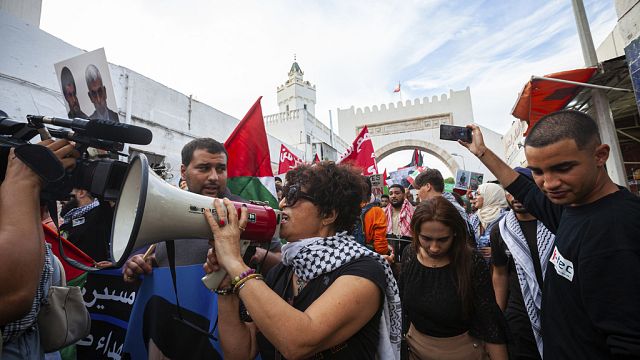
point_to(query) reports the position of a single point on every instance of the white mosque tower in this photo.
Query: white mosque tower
(296, 93)
(296, 123)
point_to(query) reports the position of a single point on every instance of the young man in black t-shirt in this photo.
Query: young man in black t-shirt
(520, 248)
(591, 297)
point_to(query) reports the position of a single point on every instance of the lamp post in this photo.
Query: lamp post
(462, 157)
(599, 100)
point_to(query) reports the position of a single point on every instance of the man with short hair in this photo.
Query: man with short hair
(520, 249)
(98, 95)
(400, 212)
(592, 291)
(384, 200)
(69, 91)
(87, 224)
(430, 184)
(204, 169)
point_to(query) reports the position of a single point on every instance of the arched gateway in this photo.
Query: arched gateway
(416, 124)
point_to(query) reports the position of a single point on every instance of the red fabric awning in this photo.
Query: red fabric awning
(540, 97)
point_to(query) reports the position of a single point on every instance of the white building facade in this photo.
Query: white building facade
(28, 85)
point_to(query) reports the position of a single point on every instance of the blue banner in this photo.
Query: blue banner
(155, 325)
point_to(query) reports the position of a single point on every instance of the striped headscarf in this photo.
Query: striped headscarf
(406, 213)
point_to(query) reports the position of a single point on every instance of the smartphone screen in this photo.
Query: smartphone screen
(454, 133)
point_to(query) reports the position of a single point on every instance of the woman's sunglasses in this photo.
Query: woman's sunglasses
(293, 194)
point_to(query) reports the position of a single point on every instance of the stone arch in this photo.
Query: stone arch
(425, 146)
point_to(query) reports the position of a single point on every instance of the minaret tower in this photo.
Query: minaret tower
(295, 93)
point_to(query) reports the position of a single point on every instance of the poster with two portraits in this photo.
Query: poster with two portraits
(86, 84)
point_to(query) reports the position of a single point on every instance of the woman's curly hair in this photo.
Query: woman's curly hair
(334, 186)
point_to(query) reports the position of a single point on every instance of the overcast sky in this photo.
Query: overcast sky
(228, 53)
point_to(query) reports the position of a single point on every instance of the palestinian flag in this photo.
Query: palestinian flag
(385, 187)
(71, 251)
(249, 172)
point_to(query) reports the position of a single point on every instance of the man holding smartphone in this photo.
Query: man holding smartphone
(592, 291)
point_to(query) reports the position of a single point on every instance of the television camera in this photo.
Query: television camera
(103, 177)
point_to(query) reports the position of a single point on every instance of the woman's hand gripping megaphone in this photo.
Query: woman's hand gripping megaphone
(225, 255)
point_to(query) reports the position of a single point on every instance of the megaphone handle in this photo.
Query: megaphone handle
(213, 280)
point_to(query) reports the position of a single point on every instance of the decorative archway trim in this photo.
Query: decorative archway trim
(425, 146)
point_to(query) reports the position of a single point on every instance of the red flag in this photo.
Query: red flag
(397, 89)
(288, 160)
(361, 153)
(316, 159)
(70, 250)
(541, 97)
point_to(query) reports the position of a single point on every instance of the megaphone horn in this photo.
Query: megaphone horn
(150, 211)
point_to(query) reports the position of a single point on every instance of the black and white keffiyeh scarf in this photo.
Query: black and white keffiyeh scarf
(313, 257)
(531, 292)
(80, 211)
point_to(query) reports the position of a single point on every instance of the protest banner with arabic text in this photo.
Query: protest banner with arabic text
(109, 301)
(288, 160)
(361, 153)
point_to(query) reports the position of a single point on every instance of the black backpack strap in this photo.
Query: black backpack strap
(53, 212)
(171, 256)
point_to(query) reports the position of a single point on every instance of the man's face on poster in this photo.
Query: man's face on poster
(98, 95)
(71, 97)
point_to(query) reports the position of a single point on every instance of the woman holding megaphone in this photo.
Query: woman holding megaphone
(330, 297)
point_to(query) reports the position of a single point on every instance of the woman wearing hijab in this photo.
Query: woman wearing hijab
(330, 298)
(491, 204)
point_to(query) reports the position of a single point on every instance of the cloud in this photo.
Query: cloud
(228, 53)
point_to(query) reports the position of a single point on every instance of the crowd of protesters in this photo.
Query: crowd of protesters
(544, 263)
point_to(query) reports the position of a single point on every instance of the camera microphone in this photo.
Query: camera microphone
(102, 129)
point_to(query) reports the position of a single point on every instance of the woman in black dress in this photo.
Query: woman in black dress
(448, 303)
(330, 298)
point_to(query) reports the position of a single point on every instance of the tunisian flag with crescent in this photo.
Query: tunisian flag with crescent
(361, 153)
(288, 160)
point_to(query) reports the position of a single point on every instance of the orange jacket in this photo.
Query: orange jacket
(375, 230)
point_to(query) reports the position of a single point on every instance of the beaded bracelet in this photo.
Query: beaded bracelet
(242, 282)
(225, 291)
(242, 276)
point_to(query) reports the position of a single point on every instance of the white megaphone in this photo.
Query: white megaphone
(150, 211)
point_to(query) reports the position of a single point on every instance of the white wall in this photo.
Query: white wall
(457, 102)
(27, 10)
(296, 96)
(294, 126)
(28, 85)
(628, 19)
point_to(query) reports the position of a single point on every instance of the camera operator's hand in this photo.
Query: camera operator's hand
(137, 266)
(17, 171)
(21, 237)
